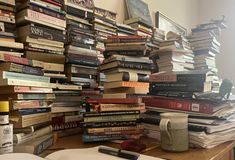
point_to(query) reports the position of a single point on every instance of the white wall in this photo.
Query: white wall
(212, 9)
(184, 12)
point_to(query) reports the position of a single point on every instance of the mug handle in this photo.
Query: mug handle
(163, 127)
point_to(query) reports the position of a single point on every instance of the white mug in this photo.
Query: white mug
(174, 132)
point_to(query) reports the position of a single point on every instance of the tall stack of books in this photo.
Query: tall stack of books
(157, 37)
(174, 54)
(113, 119)
(30, 96)
(41, 27)
(210, 116)
(206, 47)
(104, 25)
(126, 67)
(82, 61)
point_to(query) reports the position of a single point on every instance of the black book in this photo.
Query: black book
(181, 87)
(96, 114)
(126, 53)
(79, 13)
(110, 124)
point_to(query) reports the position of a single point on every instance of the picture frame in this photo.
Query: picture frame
(139, 9)
(166, 24)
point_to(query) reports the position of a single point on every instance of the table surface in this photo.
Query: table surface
(215, 153)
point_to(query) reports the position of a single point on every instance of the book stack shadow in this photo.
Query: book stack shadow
(211, 115)
(24, 86)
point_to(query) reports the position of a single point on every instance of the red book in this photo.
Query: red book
(23, 89)
(115, 100)
(53, 2)
(180, 104)
(126, 37)
(14, 59)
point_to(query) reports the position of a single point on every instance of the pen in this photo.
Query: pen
(119, 153)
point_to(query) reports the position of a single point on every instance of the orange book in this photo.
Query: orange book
(119, 84)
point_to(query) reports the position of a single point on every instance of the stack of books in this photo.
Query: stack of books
(190, 92)
(66, 110)
(174, 54)
(41, 27)
(206, 47)
(30, 96)
(157, 37)
(125, 30)
(81, 54)
(126, 67)
(142, 29)
(113, 119)
(104, 24)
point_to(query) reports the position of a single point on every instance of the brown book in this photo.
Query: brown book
(120, 107)
(29, 120)
(132, 90)
(115, 101)
(120, 84)
(45, 57)
(53, 67)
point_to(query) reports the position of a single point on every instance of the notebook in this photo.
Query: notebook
(71, 154)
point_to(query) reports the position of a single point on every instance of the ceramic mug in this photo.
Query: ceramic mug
(174, 132)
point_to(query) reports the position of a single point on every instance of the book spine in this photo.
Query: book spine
(83, 62)
(113, 129)
(22, 138)
(115, 101)
(124, 40)
(29, 120)
(135, 65)
(48, 142)
(24, 112)
(51, 34)
(110, 113)
(90, 138)
(112, 118)
(178, 104)
(190, 78)
(20, 89)
(110, 124)
(15, 105)
(14, 59)
(135, 84)
(45, 18)
(46, 11)
(19, 76)
(36, 96)
(135, 77)
(125, 53)
(7, 19)
(17, 82)
(183, 87)
(33, 71)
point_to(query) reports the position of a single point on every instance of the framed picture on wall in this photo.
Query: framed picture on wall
(139, 9)
(166, 24)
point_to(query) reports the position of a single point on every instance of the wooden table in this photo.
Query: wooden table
(221, 152)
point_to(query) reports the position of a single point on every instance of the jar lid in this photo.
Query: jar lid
(4, 106)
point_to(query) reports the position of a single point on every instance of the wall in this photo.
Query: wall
(212, 9)
(183, 12)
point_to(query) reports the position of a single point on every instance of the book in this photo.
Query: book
(122, 95)
(127, 76)
(36, 146)
(26, 96)
(40, 17)
(22, 89)
(117, 70)
(20, 76)
(20, 138)
(29, 120)
(112, 118)
(118, 84)
(115, 101)
(28, 104)
(124, 64)
(116, 57)
(132, 90)
(13, 67)
(16, 82)
(181, 104)
(120, 107)
(183, 87)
